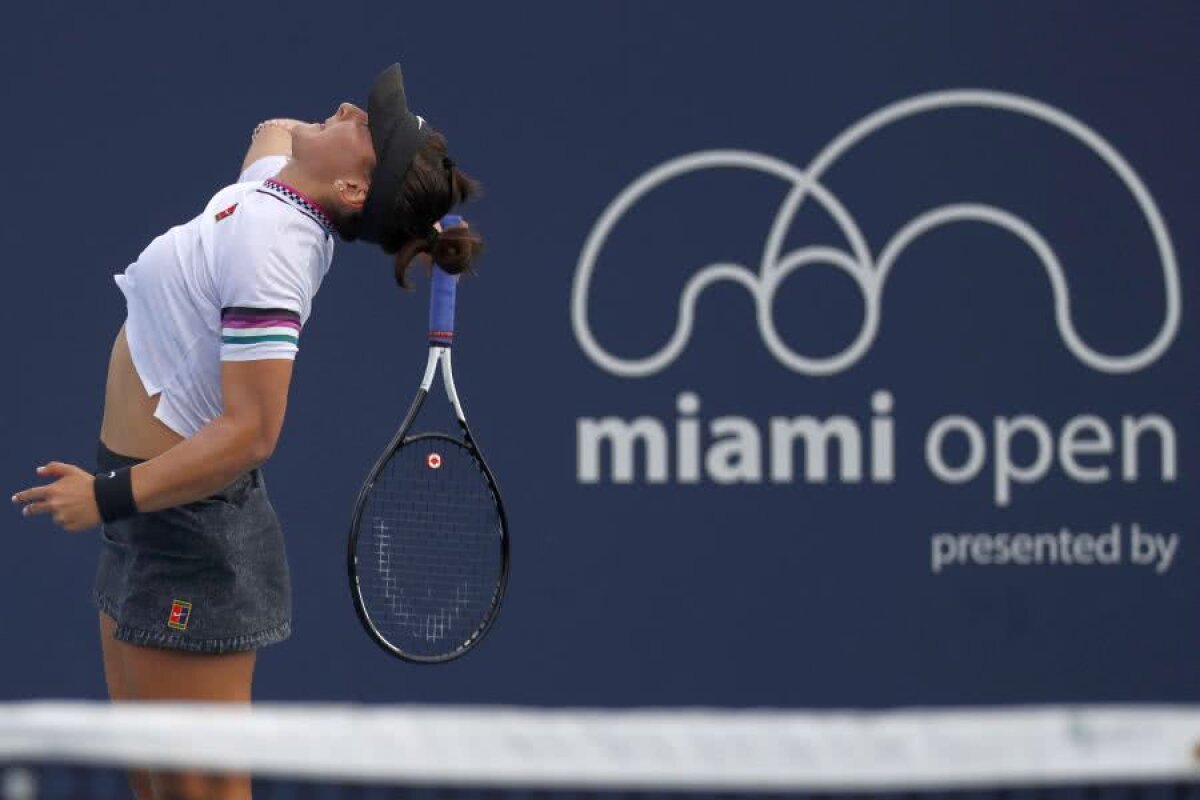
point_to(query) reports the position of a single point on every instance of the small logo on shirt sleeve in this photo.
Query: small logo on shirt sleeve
(181, 612)
(227, 212)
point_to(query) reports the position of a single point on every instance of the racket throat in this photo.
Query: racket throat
(442, 355)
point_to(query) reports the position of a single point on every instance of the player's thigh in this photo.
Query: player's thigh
(114, 670)
(118, 690)
(156, 674)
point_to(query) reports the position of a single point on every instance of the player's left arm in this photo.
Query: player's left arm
(272, 137)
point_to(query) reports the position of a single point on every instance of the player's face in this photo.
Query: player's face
(338, 148)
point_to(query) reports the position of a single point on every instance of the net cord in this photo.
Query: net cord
(630, 750)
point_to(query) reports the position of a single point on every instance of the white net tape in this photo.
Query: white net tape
(643, 749)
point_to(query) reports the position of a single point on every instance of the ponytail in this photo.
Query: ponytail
(432, 187)
(452, 250)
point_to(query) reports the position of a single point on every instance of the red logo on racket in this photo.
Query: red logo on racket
(433, 461)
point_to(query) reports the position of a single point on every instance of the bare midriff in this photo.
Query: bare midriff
(129, 426)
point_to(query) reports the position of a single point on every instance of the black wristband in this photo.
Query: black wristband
(114, 495)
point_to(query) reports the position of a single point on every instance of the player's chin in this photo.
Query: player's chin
(304, 133)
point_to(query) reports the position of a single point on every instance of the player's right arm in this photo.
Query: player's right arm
(264, 287)
(240, 439)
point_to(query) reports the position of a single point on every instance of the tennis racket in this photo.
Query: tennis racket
(428, 554)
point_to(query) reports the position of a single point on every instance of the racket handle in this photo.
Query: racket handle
(442, 292)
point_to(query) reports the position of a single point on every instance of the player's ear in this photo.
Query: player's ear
(352, 192)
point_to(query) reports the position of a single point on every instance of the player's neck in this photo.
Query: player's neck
(294, 175)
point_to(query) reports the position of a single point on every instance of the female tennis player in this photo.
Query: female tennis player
(192, 577)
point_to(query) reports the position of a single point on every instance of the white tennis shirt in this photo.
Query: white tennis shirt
(234, 284)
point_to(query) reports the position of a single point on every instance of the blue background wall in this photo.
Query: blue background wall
(123, 119)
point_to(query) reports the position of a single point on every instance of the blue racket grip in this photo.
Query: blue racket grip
(442, 292)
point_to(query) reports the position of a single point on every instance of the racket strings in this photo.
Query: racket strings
(429, 548)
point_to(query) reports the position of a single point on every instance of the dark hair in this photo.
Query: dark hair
(430, 190)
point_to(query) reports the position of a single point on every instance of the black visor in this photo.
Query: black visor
(397, 135)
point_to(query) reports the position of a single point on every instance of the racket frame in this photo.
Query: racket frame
(439, 353)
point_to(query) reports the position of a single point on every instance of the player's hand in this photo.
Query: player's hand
(70, 499)
(286, 125)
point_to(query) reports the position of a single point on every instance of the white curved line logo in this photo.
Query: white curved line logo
(868, 271)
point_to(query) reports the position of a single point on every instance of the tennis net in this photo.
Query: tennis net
(81, 750)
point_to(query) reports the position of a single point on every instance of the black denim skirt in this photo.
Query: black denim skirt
(209, 576)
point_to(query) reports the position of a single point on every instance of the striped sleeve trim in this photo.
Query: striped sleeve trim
(243, 325)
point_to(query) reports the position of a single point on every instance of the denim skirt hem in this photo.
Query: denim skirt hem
(177, 641)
